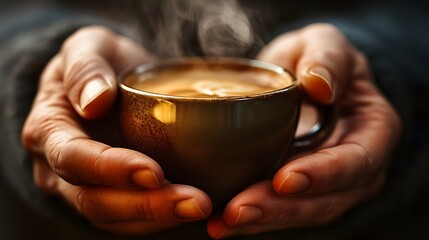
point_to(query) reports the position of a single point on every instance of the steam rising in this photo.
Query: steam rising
(224, 29)
(198, 28)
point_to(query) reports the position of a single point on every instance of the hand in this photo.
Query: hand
(116, 189)
(315, 189)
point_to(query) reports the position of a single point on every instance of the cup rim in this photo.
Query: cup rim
(255, 63)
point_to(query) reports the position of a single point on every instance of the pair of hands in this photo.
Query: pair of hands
(124, 191)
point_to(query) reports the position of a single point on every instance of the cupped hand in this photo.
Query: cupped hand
(116, 189)
(317, 188)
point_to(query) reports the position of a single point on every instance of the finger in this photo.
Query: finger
(49, 182)
(82, 161)
(320, 57)
(357, 158)
(92, 59)
(284, 50)
(247, 214)
(325, 64)
(169, 204)
(43, 176)
(346, 165)
(52, 132)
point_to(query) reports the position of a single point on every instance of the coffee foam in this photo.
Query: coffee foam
(204, 82)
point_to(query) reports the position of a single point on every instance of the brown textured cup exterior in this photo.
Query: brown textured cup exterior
(220, 145)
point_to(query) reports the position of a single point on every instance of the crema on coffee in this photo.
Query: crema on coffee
(203, 81)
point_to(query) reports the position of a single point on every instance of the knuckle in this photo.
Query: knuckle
(325, 28)
(336, 168)
(89, 205)
(328, 31)
(368, 166)
(33, 128)
(325, 55)
(364, 164)
(83, 69)
(144, 210)
(36, 130)
(59, 158)
(284, 214)
(99, 168)
(27, 136)
(332, 210)
(55, 156)
(85, 33)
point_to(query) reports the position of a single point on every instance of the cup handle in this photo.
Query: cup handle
(321, 130)
(327, 116)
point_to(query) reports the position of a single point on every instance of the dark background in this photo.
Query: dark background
(17, 220)
(15, 215)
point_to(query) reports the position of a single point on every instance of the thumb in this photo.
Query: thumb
(319, 56)
(324, 65)
(90, 85)
(89, 77)
(91, 59)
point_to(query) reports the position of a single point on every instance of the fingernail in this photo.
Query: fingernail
(91, 91)
(294, 182)
(248, 214)
(146, 178)
(322, 73)
(325, 91)
(189, 209)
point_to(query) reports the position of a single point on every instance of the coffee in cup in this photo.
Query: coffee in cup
(207, 81)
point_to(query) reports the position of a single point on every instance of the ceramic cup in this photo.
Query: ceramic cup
(217, 144)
